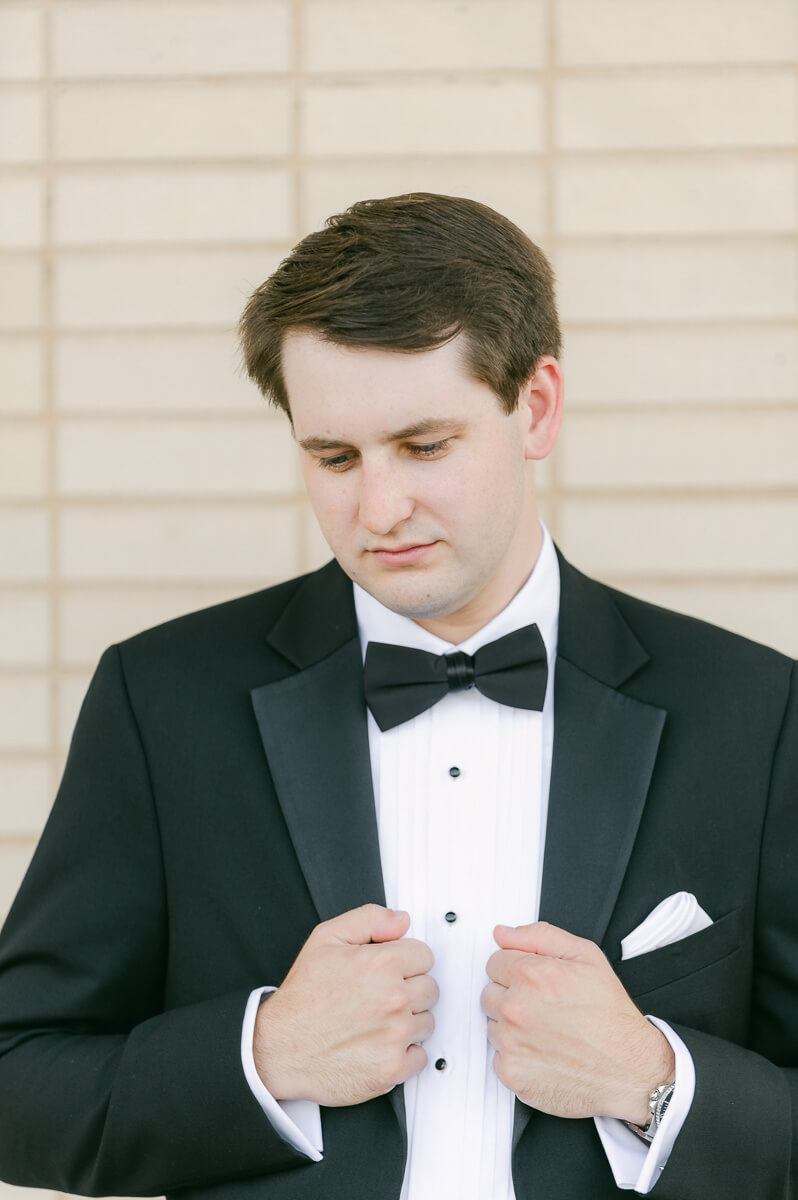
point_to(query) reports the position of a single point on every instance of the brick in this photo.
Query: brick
(25, 798)
(24, 713)
(24, 542)
(517, 191)
(604, 32)
(705, 197)
(177, 121)
(158, 288)
(682, 282)
(159, 372)
(72, 689)
(672, 450)
(22, 213)
(424, 118)
(14, 859)
(21, 376)
(23, 462)
(764, 612)
(648, 112)
(640, 537)
(199, 543)
(420, 36)
(92, 619)
(24, 628)
(20, 44)
(718, 366)
(223, 204)
(21, 127)
(169, 39)
(22, 292)
(174, 458)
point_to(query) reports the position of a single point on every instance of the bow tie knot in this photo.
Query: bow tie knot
(400, 682)
(460, 671)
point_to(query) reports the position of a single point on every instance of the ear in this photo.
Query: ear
(540, 407)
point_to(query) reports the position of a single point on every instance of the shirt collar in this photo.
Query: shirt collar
(537, 602)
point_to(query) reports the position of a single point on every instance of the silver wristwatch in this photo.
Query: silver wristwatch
(658, 1100)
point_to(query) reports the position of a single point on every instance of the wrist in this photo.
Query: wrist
(660, 1069)
(268, 1050)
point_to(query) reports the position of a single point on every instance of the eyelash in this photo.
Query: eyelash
(340, 462)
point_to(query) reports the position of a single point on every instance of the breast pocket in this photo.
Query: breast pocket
(692, 954)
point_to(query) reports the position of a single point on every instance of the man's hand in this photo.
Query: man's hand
(346, 1024)
(568, 1039)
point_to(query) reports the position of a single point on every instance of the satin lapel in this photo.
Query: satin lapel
(313, 727)
(605, 746)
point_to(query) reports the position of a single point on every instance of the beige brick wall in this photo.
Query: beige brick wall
(157, 160)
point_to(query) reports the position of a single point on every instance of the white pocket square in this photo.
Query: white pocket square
(673, 919)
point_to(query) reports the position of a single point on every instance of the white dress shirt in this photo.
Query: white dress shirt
(461, 793)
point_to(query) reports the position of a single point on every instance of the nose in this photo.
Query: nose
(384, 500)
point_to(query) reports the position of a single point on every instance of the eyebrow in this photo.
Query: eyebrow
(427, 425)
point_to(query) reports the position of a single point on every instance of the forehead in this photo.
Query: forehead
(351, 389)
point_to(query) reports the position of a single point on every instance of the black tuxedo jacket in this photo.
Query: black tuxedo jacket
(217, 803)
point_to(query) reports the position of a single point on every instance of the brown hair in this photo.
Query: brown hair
(409, 273)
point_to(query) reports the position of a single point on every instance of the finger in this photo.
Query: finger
(423, 992)
(369, 923)
(415, 1060)
(500, 964)
(493, 1032)
(423, 1026)
(415, 957)
(541, 938)
(492, 994)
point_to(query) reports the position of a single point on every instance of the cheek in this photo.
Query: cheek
(329, 498)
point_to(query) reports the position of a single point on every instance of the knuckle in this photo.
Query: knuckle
(526, 970)
(509, 1010)
(394, 1000)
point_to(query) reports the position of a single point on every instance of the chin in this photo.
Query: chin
(419, 607)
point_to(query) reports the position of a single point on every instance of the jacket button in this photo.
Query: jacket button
(451, 917)
(454, 772)
(440, 1064)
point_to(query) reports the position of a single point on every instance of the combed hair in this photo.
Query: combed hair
(408, 273)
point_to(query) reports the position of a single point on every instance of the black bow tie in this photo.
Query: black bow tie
(401, 682)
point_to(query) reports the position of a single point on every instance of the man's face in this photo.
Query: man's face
(418, 478)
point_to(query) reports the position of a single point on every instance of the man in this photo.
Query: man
(241, 811)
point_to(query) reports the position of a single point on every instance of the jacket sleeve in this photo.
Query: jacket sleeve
(102, 1090)
(741, 1136)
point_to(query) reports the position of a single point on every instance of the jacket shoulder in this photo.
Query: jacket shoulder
(694, 637)
(227, 637)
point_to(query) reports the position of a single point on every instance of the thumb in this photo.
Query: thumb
(369, 923)
(540, 938)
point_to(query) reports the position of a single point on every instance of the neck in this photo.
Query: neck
(459, 626)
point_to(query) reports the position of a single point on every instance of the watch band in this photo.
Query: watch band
(658, 1100)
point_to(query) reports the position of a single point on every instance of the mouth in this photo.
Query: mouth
(413, 552)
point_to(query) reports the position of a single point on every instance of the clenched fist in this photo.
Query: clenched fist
(568, 1038)
(347, 1023)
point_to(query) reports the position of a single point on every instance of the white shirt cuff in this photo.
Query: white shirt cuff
(637, 1167)
(297, 1121)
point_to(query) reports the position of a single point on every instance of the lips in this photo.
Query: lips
(410, 553)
